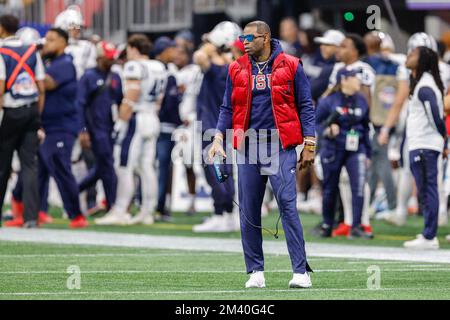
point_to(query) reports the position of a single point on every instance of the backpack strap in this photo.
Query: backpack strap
(21, 63)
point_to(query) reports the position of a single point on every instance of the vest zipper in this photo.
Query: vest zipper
(249, 99)
(273, 109)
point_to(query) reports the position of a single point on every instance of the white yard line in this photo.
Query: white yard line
(364, 271)
(249, 291)
(218, 245)
(115, 255)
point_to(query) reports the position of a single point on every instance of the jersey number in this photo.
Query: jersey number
(157, 90)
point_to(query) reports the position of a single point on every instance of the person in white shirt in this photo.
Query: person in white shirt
(426, 134)
(349, 54)
(83, 51)
(189, 79)
(405, 184)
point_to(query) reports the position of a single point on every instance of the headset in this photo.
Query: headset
(222, 176)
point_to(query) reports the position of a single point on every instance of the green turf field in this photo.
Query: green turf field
(385, 235)
(39, 271)
(36, 271)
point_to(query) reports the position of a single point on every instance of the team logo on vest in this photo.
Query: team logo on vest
(262, 82)
(24, 86)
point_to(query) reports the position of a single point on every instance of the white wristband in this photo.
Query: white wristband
(129, 102)
(385, 130)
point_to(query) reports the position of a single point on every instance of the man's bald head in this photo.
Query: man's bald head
(373, 42)
(261, 27)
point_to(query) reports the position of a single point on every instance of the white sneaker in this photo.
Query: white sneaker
(234, 222)
(256, 280)
(315, 205)
(394, 219)
(300, 280)
(442, 220)
(114, 218)
(143, 218)
(383, 214)
(216, 223)
(304, 206)
(421, 243)
(265, 210)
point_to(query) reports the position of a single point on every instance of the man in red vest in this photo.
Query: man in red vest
(268, 101)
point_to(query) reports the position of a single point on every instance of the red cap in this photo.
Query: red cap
(239, 45)
(107, 50)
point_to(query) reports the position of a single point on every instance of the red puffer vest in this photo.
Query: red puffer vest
(283, 99)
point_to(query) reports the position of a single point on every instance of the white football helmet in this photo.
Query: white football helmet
(224, 34)
(421, 39)
(386, 42)
(71, 18)
(29, 36)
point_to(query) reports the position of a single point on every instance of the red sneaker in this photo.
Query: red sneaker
(342, 230)
(102, 206)
(17, 208)
(78, 222)
(16, 223)
(367, 229)
(44, 218)
(413, 211)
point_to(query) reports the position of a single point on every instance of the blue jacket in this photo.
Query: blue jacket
(60, 111)
(211, 95)
(95, 103)
(169, 112)
(349, 113)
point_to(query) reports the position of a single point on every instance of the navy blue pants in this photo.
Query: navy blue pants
(252, 185)
(164, 147)
(102, 147)
(18, 189)
(222, 193)
(424, 167)
(55, 161)
(332, 163)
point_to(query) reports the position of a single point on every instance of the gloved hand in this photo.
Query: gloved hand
(120, 131)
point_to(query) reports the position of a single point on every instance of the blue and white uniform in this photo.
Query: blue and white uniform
(136, 141)
(84, 55)
(352, 119)
(425, 132)
(98, 92)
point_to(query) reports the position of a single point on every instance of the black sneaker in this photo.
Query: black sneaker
(360, 233)
(322, 230)
(191, 212)
(31, 225)
(163, 217)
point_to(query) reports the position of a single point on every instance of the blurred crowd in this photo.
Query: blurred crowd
(121, 110)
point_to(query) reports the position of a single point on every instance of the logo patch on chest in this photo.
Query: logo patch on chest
(262, 82)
